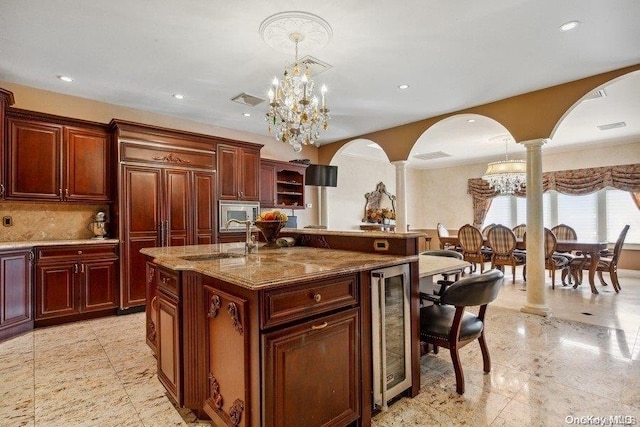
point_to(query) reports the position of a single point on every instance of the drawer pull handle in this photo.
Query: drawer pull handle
(317, 297)
(317, 327)
(165, 280)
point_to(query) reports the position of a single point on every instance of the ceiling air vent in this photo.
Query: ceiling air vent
(246, 99)
(314, 65)
(432, 155)
(600, 93)
(612, 126)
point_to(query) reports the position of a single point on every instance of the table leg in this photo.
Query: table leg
(595, 258)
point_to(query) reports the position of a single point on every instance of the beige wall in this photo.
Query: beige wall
(29, 98)
(356, 177)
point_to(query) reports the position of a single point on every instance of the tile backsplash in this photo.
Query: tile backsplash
(48, 221)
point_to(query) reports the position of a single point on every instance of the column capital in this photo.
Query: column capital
(534, 142)
(400, 164)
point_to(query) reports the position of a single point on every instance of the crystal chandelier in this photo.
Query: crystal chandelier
(506, 176)
(295, 113)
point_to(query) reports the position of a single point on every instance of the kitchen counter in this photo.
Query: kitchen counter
(33, 243)
(270, 267)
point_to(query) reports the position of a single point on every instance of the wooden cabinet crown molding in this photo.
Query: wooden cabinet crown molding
(7, 97)
(18, 113)
(126, 130)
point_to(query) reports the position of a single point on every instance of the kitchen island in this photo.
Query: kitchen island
(272, 338)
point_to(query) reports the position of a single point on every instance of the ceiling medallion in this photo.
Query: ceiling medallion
(296, 114)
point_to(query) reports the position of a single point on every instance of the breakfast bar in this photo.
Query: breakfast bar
(278, 336)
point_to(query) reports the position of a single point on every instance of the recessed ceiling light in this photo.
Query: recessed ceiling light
(471, 121)
(246, 114)
(403, 86)
(568, 26)
(65, 79)
(178, 96)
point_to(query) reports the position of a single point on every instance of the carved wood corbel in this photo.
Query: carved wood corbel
(214, 306)
(232, 308)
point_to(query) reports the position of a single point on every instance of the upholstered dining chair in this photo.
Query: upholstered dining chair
(566, 232)
(444, 232)
(553, 260)
(445, 276)
(519, 230)
(609, 263)
(487, 228)
(471, 242)
(449, 325)
(503, 244)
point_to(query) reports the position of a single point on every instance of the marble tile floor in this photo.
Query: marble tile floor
(544, 370)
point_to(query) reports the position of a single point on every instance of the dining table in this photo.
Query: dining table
(591, 248)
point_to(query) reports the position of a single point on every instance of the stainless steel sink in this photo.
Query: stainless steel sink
(211, 257)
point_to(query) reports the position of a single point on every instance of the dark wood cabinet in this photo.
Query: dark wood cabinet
(167, 197)
(282, 184)
(51, 160)
(72, 281)
(87, 165)
(312, 372)
(168, 333)
(238, 172)
(16, 314)
(6, 100)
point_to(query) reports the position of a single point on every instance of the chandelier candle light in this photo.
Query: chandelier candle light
(506, 176)
(294, 111)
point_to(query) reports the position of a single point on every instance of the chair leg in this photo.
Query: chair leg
(614, 280)
(457, 367)
(486, 359)
(602, 282)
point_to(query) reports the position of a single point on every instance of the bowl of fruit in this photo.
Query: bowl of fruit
(270, 223)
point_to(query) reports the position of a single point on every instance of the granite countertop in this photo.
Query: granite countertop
(270, 267)
(34, 243)
(430, 265)
(355, 233)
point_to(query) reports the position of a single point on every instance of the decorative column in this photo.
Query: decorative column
(401, 195)
(536, 292)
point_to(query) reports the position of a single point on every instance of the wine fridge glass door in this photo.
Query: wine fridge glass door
(390, 288)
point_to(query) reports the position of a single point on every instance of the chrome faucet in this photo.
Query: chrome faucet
(250, 241)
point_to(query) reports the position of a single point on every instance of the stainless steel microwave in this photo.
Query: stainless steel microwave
(241, 211)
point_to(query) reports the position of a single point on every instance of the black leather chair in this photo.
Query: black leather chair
(448, 325)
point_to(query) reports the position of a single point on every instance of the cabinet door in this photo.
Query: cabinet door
(228, 354)
(228, 172)
(267, 186)
(87, 165)
(15, 293)
(204, 206)
(249, 185)
(169, 345)
(176, 205)
(141, 229)
(99, 288)
(34, 163)
(56, 290)
(311, 372)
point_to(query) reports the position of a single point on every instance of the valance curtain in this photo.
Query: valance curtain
(576, 182)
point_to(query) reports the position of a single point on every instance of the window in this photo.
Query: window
(597, 216)
(622, 210)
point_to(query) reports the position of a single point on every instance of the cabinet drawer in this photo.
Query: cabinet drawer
(45, 253)
(168, 281)
(285, 305)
